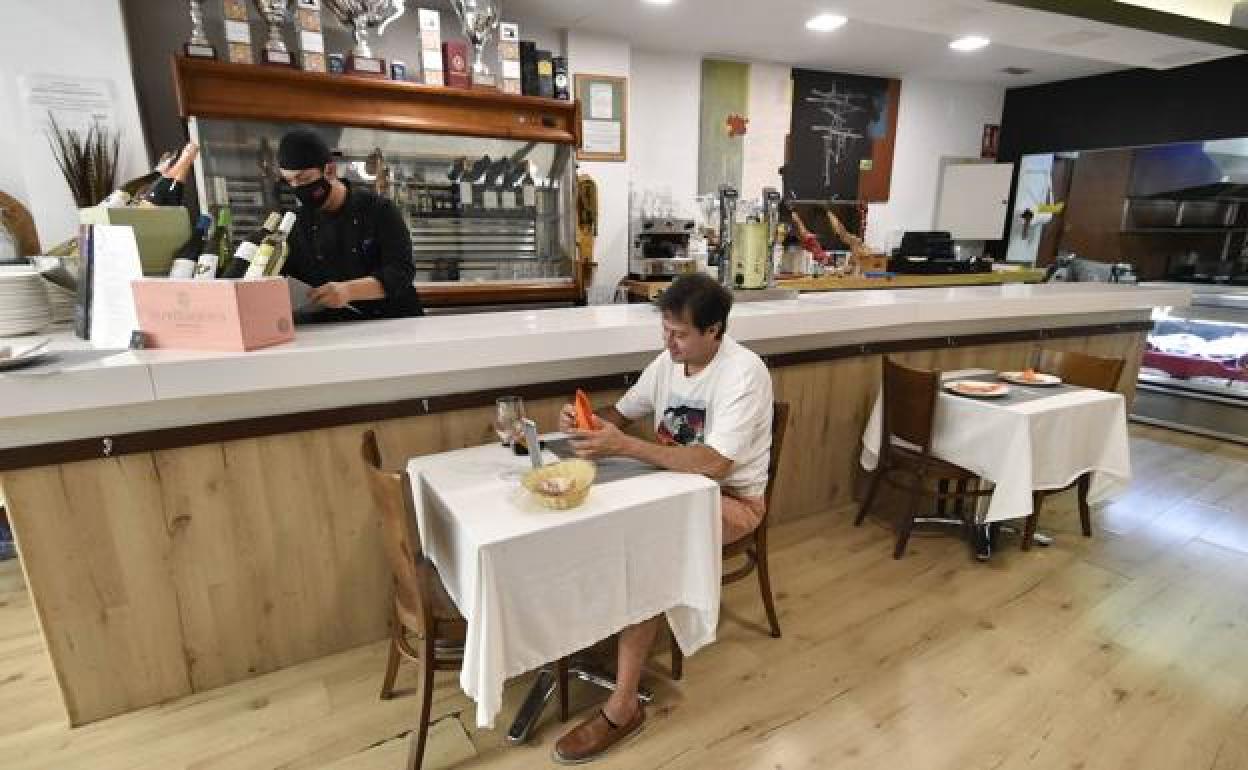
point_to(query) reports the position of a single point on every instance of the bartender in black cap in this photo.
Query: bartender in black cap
(351, 245)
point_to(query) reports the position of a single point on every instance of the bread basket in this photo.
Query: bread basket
(579, 476)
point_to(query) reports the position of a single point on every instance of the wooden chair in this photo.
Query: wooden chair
(1087, 372)
(909, 410)
(753, 546)
(422, 609)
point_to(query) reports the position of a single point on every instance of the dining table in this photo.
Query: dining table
(537, 585)
(1031, 438)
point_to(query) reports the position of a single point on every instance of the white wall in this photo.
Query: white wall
(936, 119)
(598, 55)
(65, 38)
(663, 123)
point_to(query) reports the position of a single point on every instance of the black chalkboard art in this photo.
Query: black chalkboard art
(842, 136)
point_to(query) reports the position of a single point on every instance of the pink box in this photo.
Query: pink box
(214, 315)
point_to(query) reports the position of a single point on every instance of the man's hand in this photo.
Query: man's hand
(332, 294)
(567, 418)
(605, 440)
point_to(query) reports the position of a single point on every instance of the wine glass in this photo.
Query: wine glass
(507, 416)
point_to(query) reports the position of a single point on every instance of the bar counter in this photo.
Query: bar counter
(646, 291)
(186, 520)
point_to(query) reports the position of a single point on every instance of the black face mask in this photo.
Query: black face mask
(313, 194)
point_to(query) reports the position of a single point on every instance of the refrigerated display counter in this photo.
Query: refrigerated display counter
(1194, 374)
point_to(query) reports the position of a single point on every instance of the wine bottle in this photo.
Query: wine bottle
(206, 266)
(225, 235)
(238, 265)
(187, 257)
(171, 186)
(139, 186)
(272, 245)
(117, 199)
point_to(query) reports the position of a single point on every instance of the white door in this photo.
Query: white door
(973, 200)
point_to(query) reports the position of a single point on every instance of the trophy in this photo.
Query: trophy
(360, 16)
(198, 46)
(478, 19)
(275, 13)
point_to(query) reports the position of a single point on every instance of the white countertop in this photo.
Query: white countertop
(394, 359)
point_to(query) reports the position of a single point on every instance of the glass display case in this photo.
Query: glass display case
(479, 210)
(1194, 373)
(486, 181)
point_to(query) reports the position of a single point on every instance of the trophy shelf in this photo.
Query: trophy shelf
(214, 89)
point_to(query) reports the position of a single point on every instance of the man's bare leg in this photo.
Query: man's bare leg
(634, 644)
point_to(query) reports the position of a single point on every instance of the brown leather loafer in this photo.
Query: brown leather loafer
(594, 737)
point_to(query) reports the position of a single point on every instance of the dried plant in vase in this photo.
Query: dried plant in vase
(89, 163)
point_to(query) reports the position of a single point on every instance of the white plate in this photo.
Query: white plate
(982, 389)
(1041, 380)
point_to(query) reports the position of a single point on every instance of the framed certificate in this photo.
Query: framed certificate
(604, 117)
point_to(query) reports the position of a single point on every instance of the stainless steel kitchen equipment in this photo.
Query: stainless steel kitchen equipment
(660, 248)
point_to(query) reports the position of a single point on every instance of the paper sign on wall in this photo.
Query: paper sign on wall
(601, 101)
(600, 136)
(75, 103)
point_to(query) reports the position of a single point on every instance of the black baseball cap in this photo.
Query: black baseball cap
(302, 149)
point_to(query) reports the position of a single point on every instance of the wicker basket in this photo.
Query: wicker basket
(580, 472)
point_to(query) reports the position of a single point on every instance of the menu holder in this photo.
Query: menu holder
(110, 262)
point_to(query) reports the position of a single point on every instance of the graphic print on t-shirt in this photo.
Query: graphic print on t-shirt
(683, 423)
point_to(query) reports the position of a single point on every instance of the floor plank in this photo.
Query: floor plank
(1119, 651)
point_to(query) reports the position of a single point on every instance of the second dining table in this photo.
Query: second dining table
(1033, 439)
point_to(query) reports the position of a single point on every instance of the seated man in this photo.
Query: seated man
(712, 404)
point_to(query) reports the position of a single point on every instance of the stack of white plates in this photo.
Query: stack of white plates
(61, 301)
(23, 301)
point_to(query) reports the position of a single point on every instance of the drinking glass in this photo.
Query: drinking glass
(509, 411)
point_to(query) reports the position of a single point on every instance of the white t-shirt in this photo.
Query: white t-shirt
(727, 406)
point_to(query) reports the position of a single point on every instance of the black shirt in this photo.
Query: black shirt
(366, 237)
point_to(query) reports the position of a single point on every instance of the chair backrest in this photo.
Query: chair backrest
(1082, 369)
(779, 427)
(390, 492)
(909, 404)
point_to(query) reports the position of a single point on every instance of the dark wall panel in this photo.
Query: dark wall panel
(1126, 109)
(1131, 108)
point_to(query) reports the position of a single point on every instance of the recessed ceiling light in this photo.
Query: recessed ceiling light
(969, 43)
(826, 22)
(659, 2)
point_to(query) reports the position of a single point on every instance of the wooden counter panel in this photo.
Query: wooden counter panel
(95, 550)
(181, 569)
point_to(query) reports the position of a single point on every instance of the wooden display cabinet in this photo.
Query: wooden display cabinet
(485, 180)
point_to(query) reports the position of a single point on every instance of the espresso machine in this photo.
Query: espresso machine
(660, 249)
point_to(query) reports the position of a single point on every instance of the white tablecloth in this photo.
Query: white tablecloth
(1043, 443)
(536, 585)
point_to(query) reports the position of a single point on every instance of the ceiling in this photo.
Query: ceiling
(883, 37)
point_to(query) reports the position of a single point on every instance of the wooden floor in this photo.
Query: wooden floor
(1129, 650)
